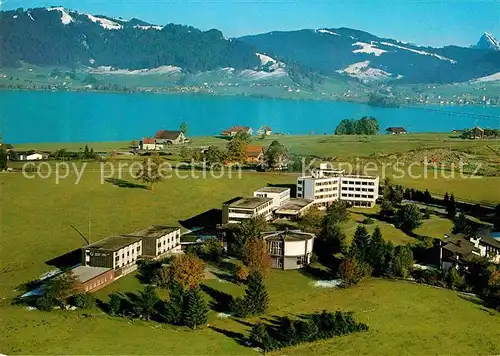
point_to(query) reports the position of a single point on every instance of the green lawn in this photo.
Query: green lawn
(36, 219)
(403, 317)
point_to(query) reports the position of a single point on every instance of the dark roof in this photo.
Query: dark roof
(154, 231)
(396, 129)
(490, 241)
(266, 128)
(166, 134)
(249, 203)
(458, 244)
(287, 235)
(272, 190)
(113, 243)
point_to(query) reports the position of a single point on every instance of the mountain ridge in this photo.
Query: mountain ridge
(57, 36)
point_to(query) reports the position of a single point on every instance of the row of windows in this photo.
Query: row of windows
(96, 284)
(320, 196)
(344, 195)
(355, 182)
(352, 189)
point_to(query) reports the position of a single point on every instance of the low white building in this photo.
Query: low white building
(280, 195)
(325, 186)
(150, 144)
(289, 249)
(31, 156)
(239, 209)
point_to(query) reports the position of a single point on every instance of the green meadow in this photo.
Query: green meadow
(38, 221)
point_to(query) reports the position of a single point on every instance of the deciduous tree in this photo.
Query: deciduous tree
(150, 171)
(408, 217)
(188, 271)
(147, 301)
(255, 255)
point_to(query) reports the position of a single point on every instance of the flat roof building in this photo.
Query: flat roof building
(280, 195)
(239, 209)
(294, 208)
(159, 241)
(326, 185)
(116, 252)
(91, 279)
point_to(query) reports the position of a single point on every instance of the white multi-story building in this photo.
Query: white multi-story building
(289, 249)
(280, 195)
(239, 209)
(116, 252)
(325, 186)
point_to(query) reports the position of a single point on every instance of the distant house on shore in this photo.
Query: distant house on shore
(475, 133)
(237, 129)
(149, 144)
(170, 137)
(254, 154)
(396, 131)
(30, 155)
(264, 130)
(459, 250)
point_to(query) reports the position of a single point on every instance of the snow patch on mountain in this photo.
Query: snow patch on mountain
(328, 32)
(368, 48)
(490, 78)
(363, 71)
(249, 74)
(30, 16)
(105, 23)
(154, 27)
(419, 52)
(65, 17)
(163, 70)
(265, 60)
(488, 41)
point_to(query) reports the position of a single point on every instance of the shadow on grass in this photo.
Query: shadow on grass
(317, 273)
(125, 184)
(67, 260)
(236, 336)
(209, 218)
(220, 300)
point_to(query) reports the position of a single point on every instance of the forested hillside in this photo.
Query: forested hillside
(59, 37)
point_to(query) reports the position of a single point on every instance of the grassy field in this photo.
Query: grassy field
(37, 218)
(418, 319)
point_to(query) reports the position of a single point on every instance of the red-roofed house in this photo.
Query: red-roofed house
(264, 130)
(237, 129)
(254, 154)
(150, 144)
(170, 137)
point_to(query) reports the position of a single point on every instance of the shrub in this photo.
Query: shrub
(242, 273)
(45, 303)
(453, 279)
(368, 221)
(114, 304)
(352, 271)
(84, 300)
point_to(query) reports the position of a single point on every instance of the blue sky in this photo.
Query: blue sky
(427, 22)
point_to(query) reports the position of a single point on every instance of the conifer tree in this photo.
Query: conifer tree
(377, 252)
(451, 209)
(257, 299)
(195, 312)
(360, 247)
(174, 308)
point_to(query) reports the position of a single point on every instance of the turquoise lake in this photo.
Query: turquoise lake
(77, 117)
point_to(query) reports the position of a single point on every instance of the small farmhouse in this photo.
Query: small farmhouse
(459, 250)
(31, 155)
(149, 144)
(396, 131)
(264, 130)
(170, 137)
(475, 133)
(254, 154)
(237, 129)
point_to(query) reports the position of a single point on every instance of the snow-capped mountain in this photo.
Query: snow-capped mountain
(59, 37)
(488, 41)
(361, 55)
